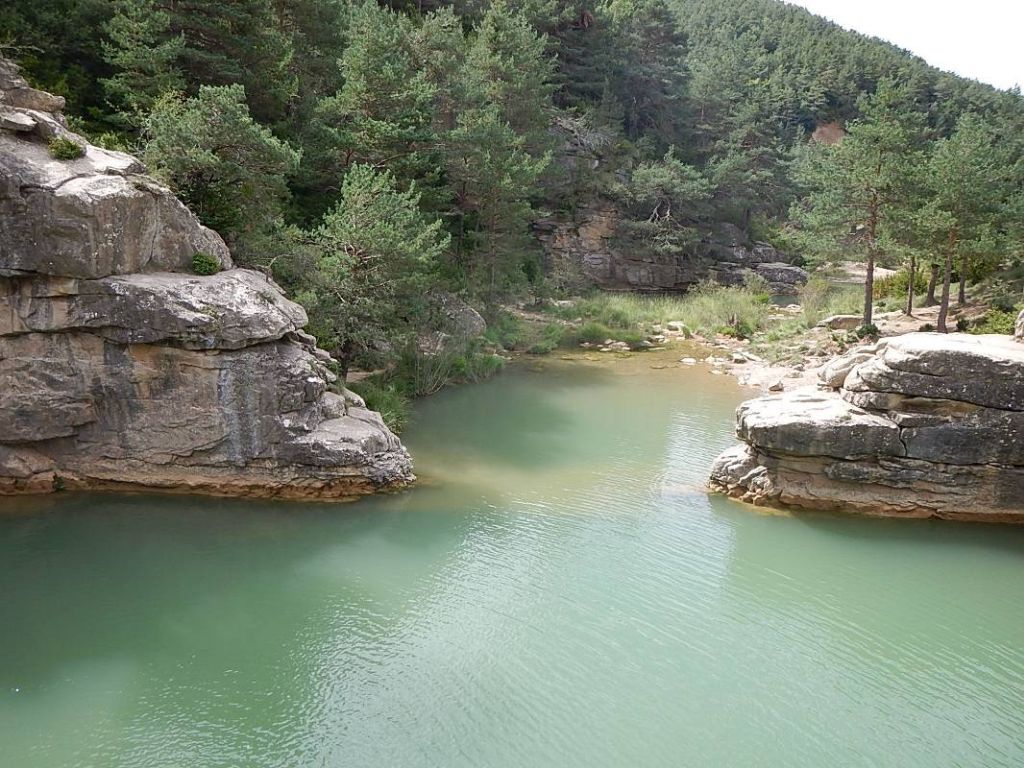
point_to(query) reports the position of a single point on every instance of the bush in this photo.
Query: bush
(205, 264)
(895, 285)
(996, 320)
(867, 331)
(504, 330)
(418, 375)
(735, 312)
(593, 333)
(551, 337)
(62, 148)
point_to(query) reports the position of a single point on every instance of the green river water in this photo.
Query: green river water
(558, 592)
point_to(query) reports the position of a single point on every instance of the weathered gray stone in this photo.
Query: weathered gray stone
(926, 425)
(841, 322)
(459, 319)
(806, 423)
(833, 374)
(14, 120)
(987, 436)
(1018, 329)
(883, 487)
(17, 93)
(92, 217)
(782, 278)
(117, 369)
(985, 370)
(229, 310)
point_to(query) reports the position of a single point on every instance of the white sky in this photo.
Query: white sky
(980, 39)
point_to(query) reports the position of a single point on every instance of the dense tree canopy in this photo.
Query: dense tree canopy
(265, 116)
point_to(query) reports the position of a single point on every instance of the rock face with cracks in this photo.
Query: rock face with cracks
(921, 425)
(120, 369)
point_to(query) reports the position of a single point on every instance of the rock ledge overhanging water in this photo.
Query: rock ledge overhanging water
(121, 369)
(920, 425)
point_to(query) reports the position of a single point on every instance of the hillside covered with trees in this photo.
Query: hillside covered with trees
(369, 153)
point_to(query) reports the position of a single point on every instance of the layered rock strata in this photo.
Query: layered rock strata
(921, 425)
(120, 369)
(586, 249)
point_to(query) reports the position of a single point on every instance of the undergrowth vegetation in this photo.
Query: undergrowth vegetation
(708, 309)
(820, 299)
(416, 374)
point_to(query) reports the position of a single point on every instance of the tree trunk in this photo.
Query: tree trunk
(933, 280)
(912, 278)
(944, 307)
(961, 296)
(869, 277)
(869, 288)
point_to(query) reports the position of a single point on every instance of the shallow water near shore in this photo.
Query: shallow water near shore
(558, 591)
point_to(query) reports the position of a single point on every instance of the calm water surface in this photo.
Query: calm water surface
(558, 592)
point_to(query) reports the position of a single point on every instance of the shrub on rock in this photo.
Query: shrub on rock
(62, 148)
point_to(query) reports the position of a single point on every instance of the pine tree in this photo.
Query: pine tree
(969, 186)
(507, 68)
(368, 263)
(145, 59)
(651, 72)
(492, 176)
(859, 189)
(231, 170)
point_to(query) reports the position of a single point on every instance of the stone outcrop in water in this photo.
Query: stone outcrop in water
(119, 368)
(921, 425)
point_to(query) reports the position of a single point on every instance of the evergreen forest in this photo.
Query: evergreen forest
(369, 154)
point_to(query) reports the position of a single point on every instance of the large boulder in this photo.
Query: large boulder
(120, 369)
(91, 217)
(919, 425)
(808, 423)
(782, 278)
(230, 310)
(984, 370)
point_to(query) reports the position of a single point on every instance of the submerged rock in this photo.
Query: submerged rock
(118, 369)
(921, 425)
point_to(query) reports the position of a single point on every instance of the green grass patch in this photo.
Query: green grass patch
(550, 338)
(819, 300)
(504, 330)
(707, 309)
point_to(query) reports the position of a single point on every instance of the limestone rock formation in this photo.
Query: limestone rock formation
(921, 425)
(119, 368)
(732, 258)
(582, 249)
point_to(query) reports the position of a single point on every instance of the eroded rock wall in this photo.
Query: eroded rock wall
(921, 425)
(586, 248)
(119, 368)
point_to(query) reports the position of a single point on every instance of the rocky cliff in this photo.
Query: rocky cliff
(921, 425)
(585, 245)
(120, 368)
